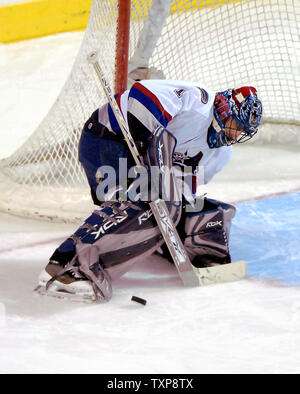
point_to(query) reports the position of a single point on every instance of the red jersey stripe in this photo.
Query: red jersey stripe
(152, 96)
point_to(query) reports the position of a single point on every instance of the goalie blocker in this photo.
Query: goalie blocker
(121, 233)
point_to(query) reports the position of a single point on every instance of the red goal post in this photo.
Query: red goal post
(122, 46)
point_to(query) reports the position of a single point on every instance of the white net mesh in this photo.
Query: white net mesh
(217, 42)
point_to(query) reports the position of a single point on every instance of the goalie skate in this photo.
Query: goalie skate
(79, 290)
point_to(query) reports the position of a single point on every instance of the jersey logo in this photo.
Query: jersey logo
(179, 92)
(204, 96)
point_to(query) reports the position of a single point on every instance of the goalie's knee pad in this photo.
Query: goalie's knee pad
(207, 234)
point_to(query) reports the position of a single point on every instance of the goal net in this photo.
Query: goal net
(220, 43)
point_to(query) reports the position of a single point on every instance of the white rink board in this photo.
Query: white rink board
(9, 2)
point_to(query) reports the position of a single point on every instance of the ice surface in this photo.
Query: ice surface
(267, 233)
(250, 326)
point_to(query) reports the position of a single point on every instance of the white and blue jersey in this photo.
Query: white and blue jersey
(183, 108)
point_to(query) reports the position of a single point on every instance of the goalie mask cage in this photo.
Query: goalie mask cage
(220, 43)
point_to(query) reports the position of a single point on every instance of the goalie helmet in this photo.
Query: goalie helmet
(243, 106)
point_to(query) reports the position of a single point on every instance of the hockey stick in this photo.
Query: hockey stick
(158, 207)
(190, 275)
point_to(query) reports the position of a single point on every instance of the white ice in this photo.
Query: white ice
(250, 326)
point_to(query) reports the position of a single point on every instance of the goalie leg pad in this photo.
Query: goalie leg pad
(86, 271)
(207, 234)
(123, 234)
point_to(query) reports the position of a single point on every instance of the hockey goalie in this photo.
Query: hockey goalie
(176, 125)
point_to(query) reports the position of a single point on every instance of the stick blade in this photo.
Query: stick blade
(221, 273)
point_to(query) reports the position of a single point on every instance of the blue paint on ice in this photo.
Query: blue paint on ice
(266, 233)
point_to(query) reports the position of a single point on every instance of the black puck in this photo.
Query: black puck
(139, 300)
